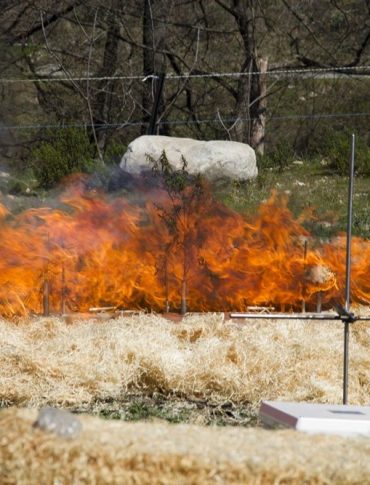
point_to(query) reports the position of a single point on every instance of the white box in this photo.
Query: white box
(317, 418)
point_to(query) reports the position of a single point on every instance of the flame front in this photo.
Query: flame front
(96, 250)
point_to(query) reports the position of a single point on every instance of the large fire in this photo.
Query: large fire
(165, 254)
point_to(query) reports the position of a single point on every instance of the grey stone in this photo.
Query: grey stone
(58, 421)
(214, 159)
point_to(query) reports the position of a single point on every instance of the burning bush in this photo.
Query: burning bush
(175, 247)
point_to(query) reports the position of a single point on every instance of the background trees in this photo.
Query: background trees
(91, 66)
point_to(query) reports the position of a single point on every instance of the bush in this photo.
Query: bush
(114, 152)
(337, 149)
(65, 152)
(334, 146)
(279, 157)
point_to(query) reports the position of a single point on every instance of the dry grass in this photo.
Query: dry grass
(152, 453)
(46, 361)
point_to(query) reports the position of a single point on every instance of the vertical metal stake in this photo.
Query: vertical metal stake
(348, 272)
(345, 362)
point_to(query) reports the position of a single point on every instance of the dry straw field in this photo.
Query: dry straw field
(46, 361)
(157, 453)
(203, 358)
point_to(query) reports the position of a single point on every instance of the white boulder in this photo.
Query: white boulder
(214, 159)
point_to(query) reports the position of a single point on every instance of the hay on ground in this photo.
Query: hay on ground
(151, 453)
(46, 361)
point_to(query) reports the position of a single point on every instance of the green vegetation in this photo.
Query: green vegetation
(65, 152)
(114, 152)
(175, 409)
(335, 146)
(280, 157)
(309, 185)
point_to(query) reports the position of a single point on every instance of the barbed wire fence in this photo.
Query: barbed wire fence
(317, 116)
(348, 70)
(292, 112)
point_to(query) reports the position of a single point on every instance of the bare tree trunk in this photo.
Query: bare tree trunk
(154, 61)
(109, 66)
(247, 128)
(258, 121)
(240, 131)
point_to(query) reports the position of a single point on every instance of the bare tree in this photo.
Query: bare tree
(77, 39)
(182, 219)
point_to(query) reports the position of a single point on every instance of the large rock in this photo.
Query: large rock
(214, 159)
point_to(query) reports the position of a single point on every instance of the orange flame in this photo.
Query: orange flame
(97, 250)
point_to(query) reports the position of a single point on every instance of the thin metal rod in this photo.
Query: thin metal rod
(349, 225)
(288, 316)
(296, 316)
(348, 271)
(345, 363)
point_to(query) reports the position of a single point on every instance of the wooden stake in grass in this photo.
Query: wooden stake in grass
(46, 284)
(166, 289)
(319, 302)
(304, 276)
(45, 296)
(185, 270)
(99, 309)
(63, 293)
(260, 309)
(183, 297)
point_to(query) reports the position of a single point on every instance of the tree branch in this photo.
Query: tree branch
(45, 23)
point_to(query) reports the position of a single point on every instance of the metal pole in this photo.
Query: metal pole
(159, 82)
(348, 271)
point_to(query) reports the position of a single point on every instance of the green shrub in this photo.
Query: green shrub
(279, 156)
(21, 183)
(333, 144)
(337, 148)
(114, 152)
(65, 151)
